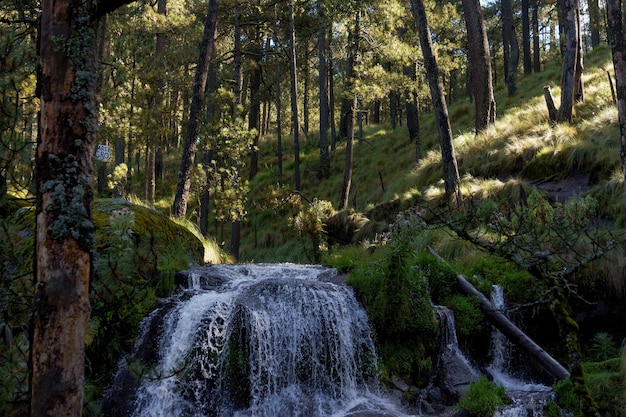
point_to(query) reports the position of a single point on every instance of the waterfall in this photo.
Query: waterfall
(528, 398)
(255, 340)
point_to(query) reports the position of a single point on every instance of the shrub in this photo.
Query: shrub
(397, 300)
(483, 397)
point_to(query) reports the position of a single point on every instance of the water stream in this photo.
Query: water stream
(280, 340)
(257, 340)
(528, 398)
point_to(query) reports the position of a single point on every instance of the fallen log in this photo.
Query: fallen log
(509, 329)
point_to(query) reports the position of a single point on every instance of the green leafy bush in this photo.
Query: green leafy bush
(483, 397)
(397, 300)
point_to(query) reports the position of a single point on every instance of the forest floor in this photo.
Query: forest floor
(563, 190)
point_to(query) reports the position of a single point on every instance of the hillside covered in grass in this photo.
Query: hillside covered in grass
(523, 150)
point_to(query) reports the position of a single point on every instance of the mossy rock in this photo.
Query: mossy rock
(153, 223)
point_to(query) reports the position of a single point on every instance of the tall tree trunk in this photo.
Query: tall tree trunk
(536, 45)
(205, 195)
(569, 10)
(594, 22)
(237, 77)
(165, 120)
(279, 106)
(617, 40)
(254, 113)
(412, 114)
(353, 52)
(511, 48)
(527, 58)
(294, 97)
(480, 63)
(65, 183)
(579, 90)
(306, 87)
(179, 210)
(324, 164)
(331, 91)
(451, 177)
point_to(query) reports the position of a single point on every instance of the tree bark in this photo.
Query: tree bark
(353, 52)
(65, 183)
(412, 113)
(279, 106)
(594, 22)
(324, 168)
(617, 41)
(254, 114)
(480, 62)
(450, 169)
(511, 48)
(536, 46)
(527, 58)
(552, 111)
(179, 210)
(509, 329)
(569, 10)
(294, 97)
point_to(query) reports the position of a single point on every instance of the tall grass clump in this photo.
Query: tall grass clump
(397, 300)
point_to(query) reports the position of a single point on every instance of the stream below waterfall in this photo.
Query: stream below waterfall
(275, 340)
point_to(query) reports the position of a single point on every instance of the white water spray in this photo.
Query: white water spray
(264, 340)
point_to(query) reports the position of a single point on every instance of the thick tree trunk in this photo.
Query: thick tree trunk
(536, 46)
(569, 10)
(617, 41)
(65, 180)
(480, 62)
(294, 97)
(450, 169)
(183, 187)
(324, 164)
(527, 58)
(511, 47)
(594, 22)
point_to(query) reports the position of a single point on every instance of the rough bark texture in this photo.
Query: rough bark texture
(450, 169)
(480, 61)
(569, 10)
(618, 48)
(179, 210)
(64, 227)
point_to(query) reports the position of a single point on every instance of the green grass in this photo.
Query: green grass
(500, 163)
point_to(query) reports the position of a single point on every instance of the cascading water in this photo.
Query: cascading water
(256, 340)
(528, 397)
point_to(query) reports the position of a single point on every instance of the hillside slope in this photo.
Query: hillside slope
(522, 151)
